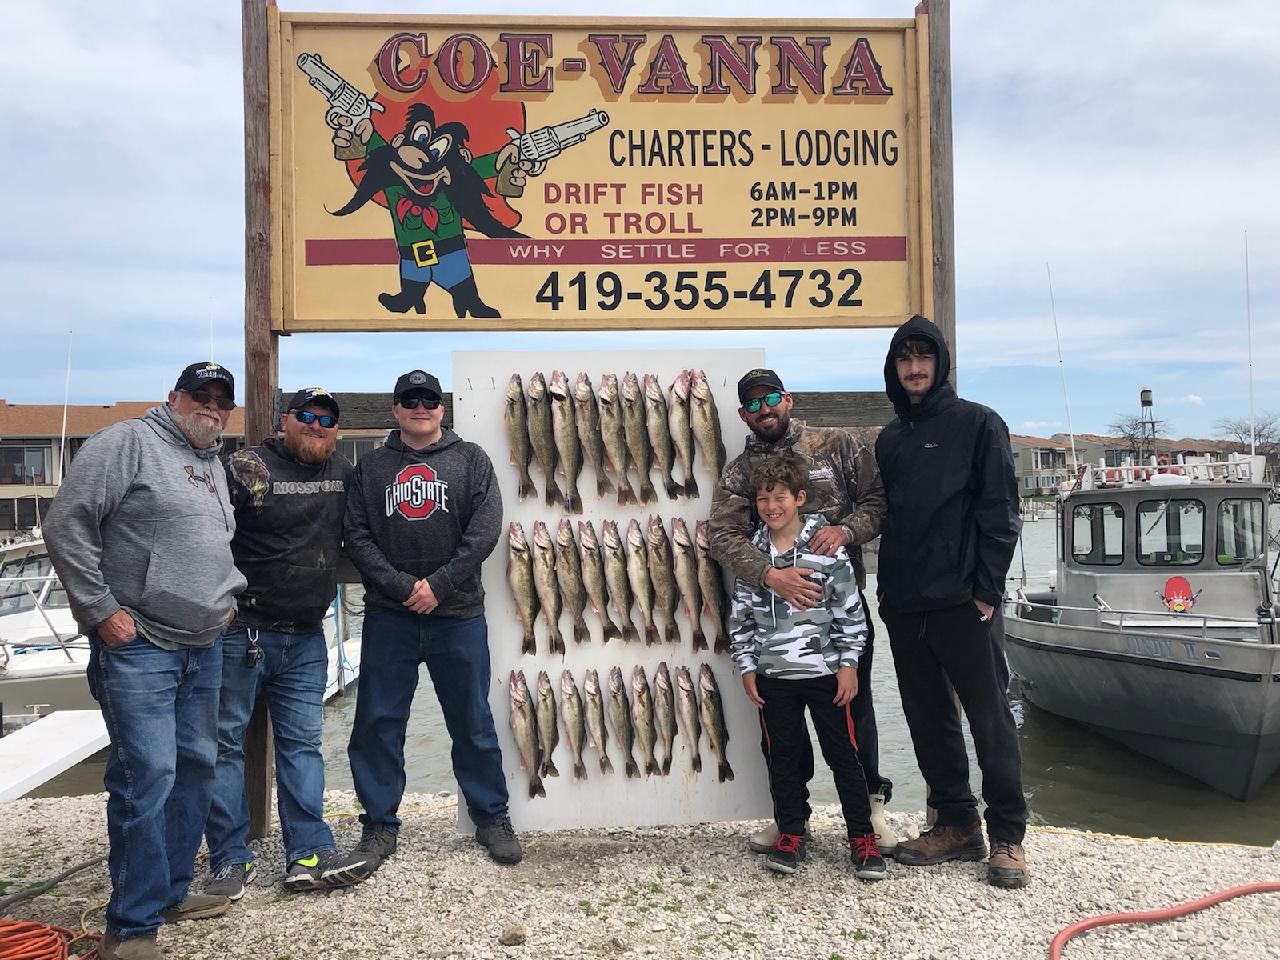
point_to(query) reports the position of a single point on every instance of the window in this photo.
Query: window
(353, 448)
(23, 463)
(1097, 533)
(1170, 532)
(1240, 531)
(18, 596)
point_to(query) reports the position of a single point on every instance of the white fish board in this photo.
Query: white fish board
(43, 749)
(608, 800)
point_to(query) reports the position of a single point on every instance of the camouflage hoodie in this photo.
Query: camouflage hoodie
(844, 486)
(769, 636)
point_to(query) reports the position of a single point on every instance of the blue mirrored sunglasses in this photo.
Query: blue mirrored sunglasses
(753, 405)
(306, 416)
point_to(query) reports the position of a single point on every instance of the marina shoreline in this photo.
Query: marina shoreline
(679, 891)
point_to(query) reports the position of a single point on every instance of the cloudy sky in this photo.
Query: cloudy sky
(1129, 146)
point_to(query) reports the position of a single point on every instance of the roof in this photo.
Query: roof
(83, 420)
(1030, 441)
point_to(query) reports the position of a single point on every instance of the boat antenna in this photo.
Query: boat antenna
(1248, 320)
(66, 398)
(1062, 367)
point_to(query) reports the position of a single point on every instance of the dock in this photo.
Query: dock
(43, 749)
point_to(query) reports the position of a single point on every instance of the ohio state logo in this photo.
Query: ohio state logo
(416, 493)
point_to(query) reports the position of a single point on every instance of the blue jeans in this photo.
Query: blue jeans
(291, 675)
(161, 711)
(456, 653)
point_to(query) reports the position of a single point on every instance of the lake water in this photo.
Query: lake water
(1072, 777)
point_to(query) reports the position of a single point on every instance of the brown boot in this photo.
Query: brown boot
(135, 948)
(943, 843)
(1007, 867)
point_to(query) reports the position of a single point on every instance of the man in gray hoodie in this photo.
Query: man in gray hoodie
(140, 534)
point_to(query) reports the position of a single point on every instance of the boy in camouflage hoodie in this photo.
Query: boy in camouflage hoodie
(792, 658)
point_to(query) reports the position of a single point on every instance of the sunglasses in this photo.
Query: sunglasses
(411, 403)
(203, 397)
(306, 416)
(753, 405)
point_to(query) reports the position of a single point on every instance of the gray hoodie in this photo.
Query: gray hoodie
(142, 522)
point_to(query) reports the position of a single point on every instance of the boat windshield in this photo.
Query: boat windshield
(1241, 537)
(1170, 532)
(1097, 533)
(17, 596)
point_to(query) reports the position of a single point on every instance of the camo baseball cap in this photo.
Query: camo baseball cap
(317, 395)
(198, 374)
(759, 377)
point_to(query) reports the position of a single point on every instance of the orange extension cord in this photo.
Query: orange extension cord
(20, 940)
(1148, 916)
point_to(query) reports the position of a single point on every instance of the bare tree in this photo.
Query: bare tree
(1266, 430)
(1133, 431)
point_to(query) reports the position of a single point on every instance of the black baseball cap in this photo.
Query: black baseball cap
(759, 377)
(317, 395)
(198, 374)
(417, 381)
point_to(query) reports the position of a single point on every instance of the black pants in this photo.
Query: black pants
(864, 721)
(935, 653)
(786, 738)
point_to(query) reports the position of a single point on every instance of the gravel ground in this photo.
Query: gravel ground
(674, 892)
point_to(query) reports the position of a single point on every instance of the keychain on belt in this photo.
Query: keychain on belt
(252, 653)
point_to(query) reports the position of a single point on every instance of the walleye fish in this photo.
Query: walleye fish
(712, 584)
(548, 730)
(687, 704)
(595, 719)
(546, 584)
(574, 723)
(520, 577)
(642, 718)
(524, 725)
(664, 713)
(516, 417)
(655, 420)
(587, 417)
(617, 578)
(569, 577)
(613, 436)
(565, 434)
(686, 564)
(637, 434)
(713, 719)
(706, 424)
(538, 408)
(638, 575)
(593, 578)
(666, 596)
(681, 429)
(620, 717)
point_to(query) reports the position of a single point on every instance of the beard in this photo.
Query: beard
(201, 430)
(311, 450)
(774, 432)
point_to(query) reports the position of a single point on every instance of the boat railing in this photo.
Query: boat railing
(33, 587)
(1106, 616)
(1238, 468)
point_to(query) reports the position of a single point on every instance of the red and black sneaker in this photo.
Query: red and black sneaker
(868, 864)
(786, 853)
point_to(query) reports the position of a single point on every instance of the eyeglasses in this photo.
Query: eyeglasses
(411, 403)
(753, 405)
(306, 416)
(203, 397)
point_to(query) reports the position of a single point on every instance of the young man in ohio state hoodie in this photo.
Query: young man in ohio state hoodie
(423, 513)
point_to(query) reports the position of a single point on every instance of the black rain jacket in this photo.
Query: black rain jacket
(952, 522)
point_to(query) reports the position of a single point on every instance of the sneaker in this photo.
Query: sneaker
(1007, 867)
(868, 864)
(230, 880)
(135, 948)
(500, 839)
(885, 837)
(197, 906)
(943, 843)
(377, 840)
(786, 853)
(762, 841)
(328, 869)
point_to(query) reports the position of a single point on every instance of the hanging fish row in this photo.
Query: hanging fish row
(639, 723)
(653, 573)
(621, 428)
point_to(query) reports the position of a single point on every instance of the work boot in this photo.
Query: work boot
(135, 948)
(885, 837)
(197, 906)
(943, 843)
(786, 853)
(1007, 867)
(501, 841)
(377, 841)
(762, 841)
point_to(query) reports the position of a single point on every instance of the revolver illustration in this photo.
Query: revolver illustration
(539, 146)
(344, 101)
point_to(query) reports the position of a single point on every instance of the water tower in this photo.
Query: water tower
(1147, 426)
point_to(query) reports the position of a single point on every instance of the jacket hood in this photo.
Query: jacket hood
(161, 420)
(447, 439)
(940, 394)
